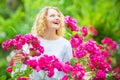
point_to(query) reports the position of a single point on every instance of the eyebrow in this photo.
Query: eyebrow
(54, 14)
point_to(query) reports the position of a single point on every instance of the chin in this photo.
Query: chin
(56, 27)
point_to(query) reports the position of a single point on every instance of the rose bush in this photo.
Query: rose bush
(94, 57)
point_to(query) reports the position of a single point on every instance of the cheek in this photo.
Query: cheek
(48, 21)
(49, 18)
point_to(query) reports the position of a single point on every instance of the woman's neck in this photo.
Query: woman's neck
(50, 35)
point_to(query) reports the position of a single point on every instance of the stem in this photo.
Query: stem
(44, 76)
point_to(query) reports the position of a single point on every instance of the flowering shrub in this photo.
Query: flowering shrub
(96, 58)
(90, 60)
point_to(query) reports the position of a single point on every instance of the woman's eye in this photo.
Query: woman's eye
(58, 15)
(52, 15)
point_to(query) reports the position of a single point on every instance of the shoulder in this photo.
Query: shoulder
(65, 41)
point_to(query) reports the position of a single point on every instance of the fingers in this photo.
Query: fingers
(18, 55)
(17, 58)
(14, 59)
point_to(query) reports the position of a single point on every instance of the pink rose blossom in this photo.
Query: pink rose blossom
(101, 75)
(64, 78)
(9, 69)
(84, 31)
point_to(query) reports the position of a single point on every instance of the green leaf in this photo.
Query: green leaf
(70, 76)
(3, 77)
(109, 77)
(12, 29)
(88, 69)
(73, 60)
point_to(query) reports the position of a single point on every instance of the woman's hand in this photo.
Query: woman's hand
(17, 58)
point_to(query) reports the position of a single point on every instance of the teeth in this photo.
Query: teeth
(56, 23)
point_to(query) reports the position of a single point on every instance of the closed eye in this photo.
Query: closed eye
(52, 15)
(58, 15)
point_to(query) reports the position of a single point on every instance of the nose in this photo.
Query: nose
(57, 17)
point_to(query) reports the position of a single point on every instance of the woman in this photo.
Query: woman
(48, 27)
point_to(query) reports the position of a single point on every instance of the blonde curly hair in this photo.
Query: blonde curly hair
(39, 26)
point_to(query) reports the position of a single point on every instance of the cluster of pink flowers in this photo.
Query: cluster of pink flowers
(96, 56)
(50, 63)
(100, 75)
(9, 69)
(44, 62)
(24, 78)
(84, 31)
(19, 41)
(90, 49)
(71, 23)
(110, 43)
(77, 71)
(93, 30)
(116, 73)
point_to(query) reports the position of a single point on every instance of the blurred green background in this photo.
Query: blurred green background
(17, 17)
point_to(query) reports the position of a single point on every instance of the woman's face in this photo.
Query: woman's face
(53, 19)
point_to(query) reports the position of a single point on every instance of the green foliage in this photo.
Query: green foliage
(109, 77)
(73, 60)
(103, 15)
(3, 74)
(3, 77)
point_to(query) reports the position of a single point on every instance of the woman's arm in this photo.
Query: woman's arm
(68, 52)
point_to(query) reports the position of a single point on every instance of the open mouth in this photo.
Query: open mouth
(57, 22)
